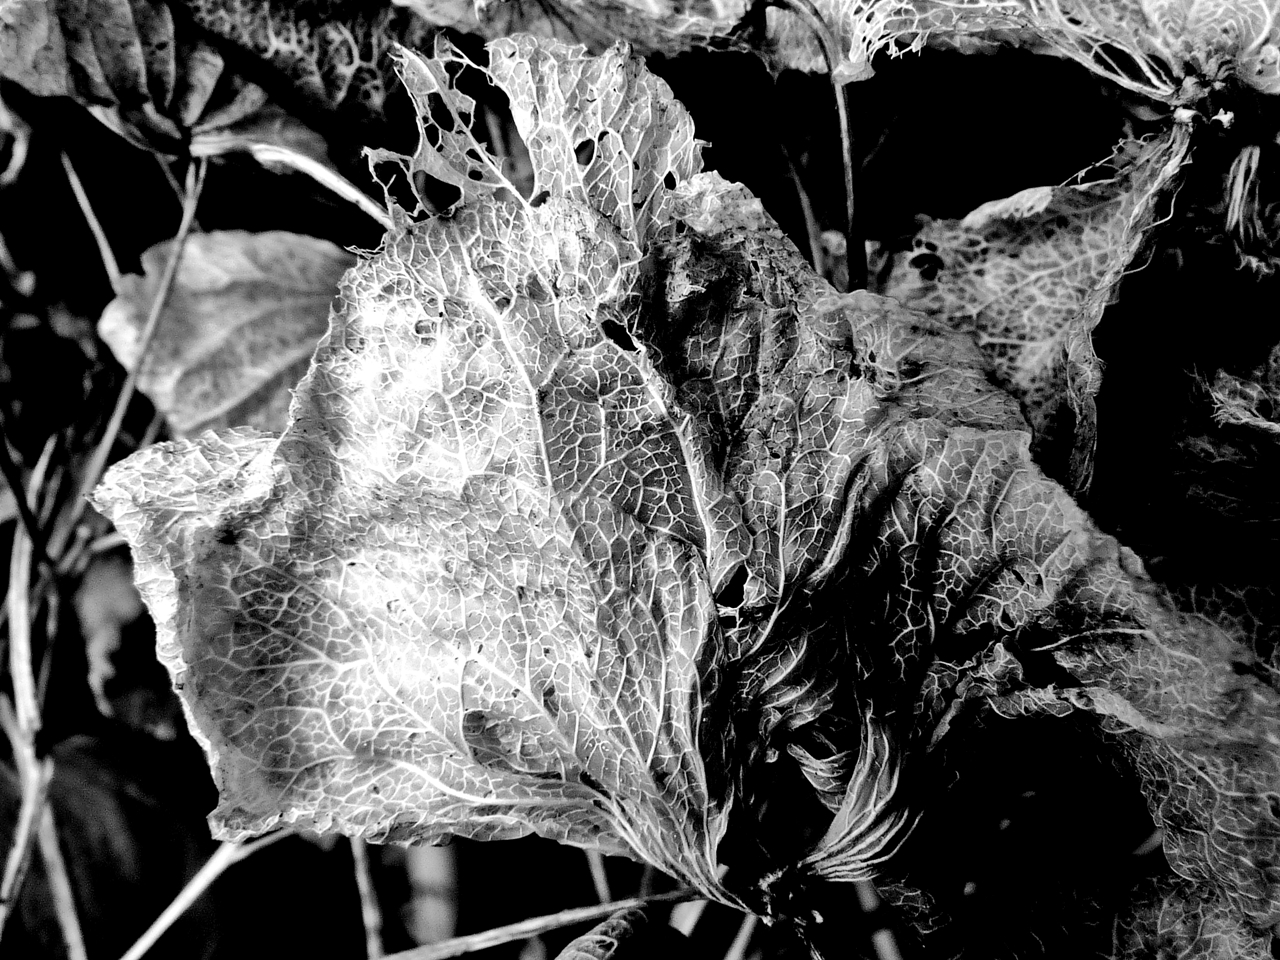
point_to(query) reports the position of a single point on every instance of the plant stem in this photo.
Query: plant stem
(64, 900)
(98, 461)
(227, 855)
(857, 251)
(599, 878)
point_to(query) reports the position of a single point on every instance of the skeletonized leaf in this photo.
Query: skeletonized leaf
(238, 329)
(1170, 52)
(528, 538)
(1030, 276)
(599, 516)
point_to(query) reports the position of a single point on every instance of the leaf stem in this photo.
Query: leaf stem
(105, 253)
(857, 251)
(270, 153)
(458, 946)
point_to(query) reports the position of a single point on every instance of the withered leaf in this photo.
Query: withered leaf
(598, 514)
(1029, 277)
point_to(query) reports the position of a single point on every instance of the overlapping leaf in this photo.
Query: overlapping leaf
(594, 505)
(238, 327)
(161, 84)
(1030, 276)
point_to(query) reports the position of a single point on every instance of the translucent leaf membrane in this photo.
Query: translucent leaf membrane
(465, 592)
(1029, 277)
(600, 516)
(238, 328)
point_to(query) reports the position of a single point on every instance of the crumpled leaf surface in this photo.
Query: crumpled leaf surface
(600, 516)
(530, 567)
(238, 327)
(1029, 277)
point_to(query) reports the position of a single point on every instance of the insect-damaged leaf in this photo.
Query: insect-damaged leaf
(482, 523)
(598, 513)
(1029, 277)
(238, 328)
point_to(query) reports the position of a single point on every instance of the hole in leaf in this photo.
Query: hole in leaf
(669, 181)
(585, 152)
(541, 197)
(550, 700)
(618, 334)
(731, 594)
(929, 265)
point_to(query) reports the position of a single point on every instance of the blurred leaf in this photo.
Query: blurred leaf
(128, 847)
(238, 328)
(143, 74)
(32, 51)
(126, 681)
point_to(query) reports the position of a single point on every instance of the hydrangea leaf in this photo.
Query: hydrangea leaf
(1029, 277)
(238, 327)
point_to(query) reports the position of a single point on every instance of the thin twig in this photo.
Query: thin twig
(227, 855)
(64, 900)
(525, 929)
(34, 776)
(95, 227)
(21, 671)
(21, 720)
(599, 878)
(98, 461)
(370, 912)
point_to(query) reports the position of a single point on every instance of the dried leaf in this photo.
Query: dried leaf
(238, 328)
(600, 516)
(1029, 278)
(547, 613)
(1170, 52)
